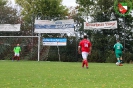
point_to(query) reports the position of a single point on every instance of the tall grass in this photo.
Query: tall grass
(33, 74)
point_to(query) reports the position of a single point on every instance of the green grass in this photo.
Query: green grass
(34, 74)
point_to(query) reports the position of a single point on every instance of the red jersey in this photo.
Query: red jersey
(85, 45)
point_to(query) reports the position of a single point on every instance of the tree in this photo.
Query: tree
(8, 15)
(43, 9)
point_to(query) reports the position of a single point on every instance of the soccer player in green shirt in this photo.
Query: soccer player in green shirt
(118, 49)
(17, 51)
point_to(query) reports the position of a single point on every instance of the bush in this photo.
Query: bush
(127, 57)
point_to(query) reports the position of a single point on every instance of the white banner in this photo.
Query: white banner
(100, 25)
(9, 27)
(59, 26)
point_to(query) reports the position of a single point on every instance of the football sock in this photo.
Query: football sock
(119, 61)
(83, 62)
(86, 63)
(18, 58)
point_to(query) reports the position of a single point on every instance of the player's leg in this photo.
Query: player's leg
(83, 61)
(121, 61)
(86, 59)
(86, 62)
(18, 57)
(118, 57)
(14, 57)
(84, 56)
(118, 60)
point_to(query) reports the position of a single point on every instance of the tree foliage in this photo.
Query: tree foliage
(43, 9)
(8, 15)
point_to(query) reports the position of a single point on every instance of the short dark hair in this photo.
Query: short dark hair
(85, 36)
(117, 40)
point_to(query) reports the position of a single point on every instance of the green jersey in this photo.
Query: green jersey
(118, 47)
(17, 49)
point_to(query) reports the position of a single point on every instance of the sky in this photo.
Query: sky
(67, 3)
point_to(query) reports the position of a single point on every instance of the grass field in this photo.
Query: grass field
(34, 74)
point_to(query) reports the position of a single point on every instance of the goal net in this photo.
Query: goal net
(29, 47)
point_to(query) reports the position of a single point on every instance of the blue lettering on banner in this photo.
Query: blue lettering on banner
(58, 22)
(54, 40)
(65, 26)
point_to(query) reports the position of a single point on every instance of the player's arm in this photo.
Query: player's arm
(113, 49)
(79, 49)
(14, 49)
(122, 48)
(20, 49)
(90, 48)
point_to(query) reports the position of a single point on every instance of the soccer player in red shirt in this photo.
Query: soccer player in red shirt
(85, 48)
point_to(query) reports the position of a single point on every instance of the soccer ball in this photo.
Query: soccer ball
(117, 63)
